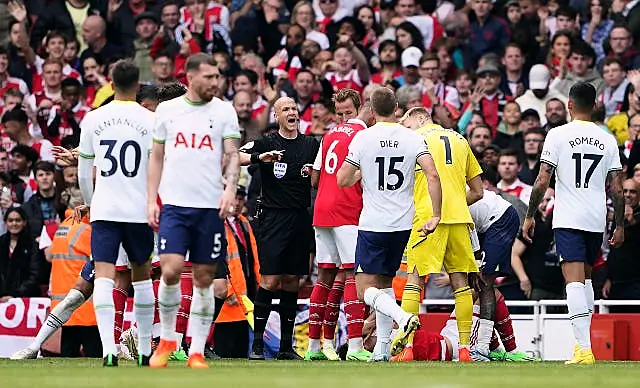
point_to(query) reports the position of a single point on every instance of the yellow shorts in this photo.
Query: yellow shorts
(448, 245)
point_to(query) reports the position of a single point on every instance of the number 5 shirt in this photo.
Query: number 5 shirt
(118, 137)
(386, 155)
(583, 155)
(336, 206)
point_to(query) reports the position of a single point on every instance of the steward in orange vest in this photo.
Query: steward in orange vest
(70, 255)
(231, 334)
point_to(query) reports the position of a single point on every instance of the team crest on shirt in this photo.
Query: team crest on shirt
(279, 169)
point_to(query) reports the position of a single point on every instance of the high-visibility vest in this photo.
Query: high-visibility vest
(237, 282)
(70, 249)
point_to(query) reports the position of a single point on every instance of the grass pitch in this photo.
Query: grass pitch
(71, 373)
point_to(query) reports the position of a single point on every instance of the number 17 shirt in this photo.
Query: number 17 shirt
(583, 155)
(118, 136)
(386, 155)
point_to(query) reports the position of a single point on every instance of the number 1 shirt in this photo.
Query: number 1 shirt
(386, 155)
(583, 155)
(456, 166)
(118, 136)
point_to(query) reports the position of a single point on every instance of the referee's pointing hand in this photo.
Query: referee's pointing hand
(271, 156)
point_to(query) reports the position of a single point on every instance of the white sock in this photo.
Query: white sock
(485, 332)
(169, 297)
(200, 318)
(143, 304)
(383, 302)
(58, 317)
(105, 314)
(579, 314)
(314, 345)
(384, 326)
(328, 344)
(588, 292)
(355, 345)
(178, 341)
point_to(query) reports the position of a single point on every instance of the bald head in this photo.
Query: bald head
(287, 114)
(93, 30)
(242, 105)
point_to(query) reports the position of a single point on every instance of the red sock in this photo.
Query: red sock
(503, 325)
(317, 305)
(353, 308)
(186, 285)
(119, 302)
(494, 342)
(156, 314)
(332, 311)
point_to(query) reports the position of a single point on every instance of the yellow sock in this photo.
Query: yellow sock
(411, 298)
(464, 313)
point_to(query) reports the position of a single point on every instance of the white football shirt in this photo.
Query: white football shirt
(118, 136)
(488, 210)
(386, 155)
(193, 136)
(583, 155)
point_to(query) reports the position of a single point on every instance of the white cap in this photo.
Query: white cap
(539, 77)
(411, 57)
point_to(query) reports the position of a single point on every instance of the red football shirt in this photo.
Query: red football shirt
(336, 206)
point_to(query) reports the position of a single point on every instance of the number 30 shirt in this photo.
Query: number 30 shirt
(193, 136)
(583, 155)
(336, 206)
(386, 155)
(118, 136)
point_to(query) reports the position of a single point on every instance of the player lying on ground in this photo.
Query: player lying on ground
(431, 346)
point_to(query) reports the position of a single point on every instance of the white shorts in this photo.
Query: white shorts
(122, 263)
(336, 246)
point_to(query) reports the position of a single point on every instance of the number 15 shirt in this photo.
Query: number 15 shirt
(583, 155)
(118, 136)
(386, 155)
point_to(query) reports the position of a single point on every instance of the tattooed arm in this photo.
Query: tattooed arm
(537, 194)
(618, 207)
(539, 188)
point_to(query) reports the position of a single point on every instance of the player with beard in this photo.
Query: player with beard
(185, 168)
(284, 224)
(335, 220)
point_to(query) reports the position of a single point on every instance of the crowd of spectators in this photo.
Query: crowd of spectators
(497, 72)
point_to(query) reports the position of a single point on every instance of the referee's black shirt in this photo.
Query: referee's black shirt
(283, 186)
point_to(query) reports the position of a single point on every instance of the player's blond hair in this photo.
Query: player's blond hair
(417, 112)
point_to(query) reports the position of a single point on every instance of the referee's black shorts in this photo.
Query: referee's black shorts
(283, 241)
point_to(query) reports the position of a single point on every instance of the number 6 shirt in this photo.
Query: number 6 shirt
(583, 155)
(336, 206)
(386, 155)
(118, 137)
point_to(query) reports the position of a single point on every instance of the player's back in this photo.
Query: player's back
(193, 135)
(119, 135)
(488, 210)
(456, 164)
(583, 155)
(335, 206)
(386, 155)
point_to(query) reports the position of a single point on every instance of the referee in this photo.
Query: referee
(284, 223)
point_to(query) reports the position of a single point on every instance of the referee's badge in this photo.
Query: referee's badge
(279, 169)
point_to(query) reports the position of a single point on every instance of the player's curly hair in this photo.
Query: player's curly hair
(171, 90)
